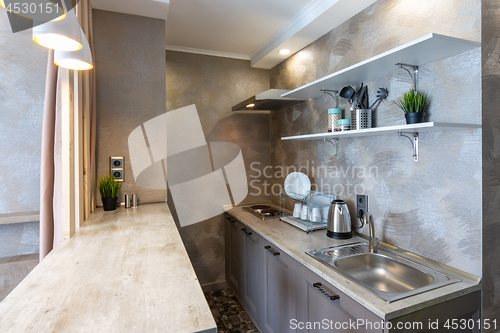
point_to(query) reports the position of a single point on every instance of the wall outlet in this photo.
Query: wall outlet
(117, 168)
(361, 205)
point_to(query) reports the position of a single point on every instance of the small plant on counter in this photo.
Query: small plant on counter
(413, 104)
(109, 189)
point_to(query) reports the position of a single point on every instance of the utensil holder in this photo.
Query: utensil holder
(361, 119)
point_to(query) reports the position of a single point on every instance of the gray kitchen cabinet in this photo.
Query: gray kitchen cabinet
(244, 266)
(323, 308)
(252, 286)
(279, 290)
(234, 254)
(458, 315)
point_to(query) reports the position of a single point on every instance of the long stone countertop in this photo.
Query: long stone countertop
(123, 271)
(296, 242)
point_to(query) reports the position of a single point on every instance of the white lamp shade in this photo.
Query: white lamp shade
(59, 35)
(2, 3)
(78, 60)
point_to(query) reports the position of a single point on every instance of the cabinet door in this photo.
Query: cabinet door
(253, 290)
(234, 254)
(319, 309)
(279, 291)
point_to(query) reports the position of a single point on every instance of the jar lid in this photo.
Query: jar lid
(335, 111)
(344, 122)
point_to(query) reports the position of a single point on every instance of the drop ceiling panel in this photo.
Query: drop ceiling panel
(244, 29)
(228, 26)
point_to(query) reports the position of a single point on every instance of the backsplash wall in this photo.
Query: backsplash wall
(430, 207)
(214, 85)
(130, 67)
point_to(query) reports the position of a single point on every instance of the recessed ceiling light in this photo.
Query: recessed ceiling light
(284, 51)
(251, 105)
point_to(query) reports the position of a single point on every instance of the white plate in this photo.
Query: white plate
(297, 185)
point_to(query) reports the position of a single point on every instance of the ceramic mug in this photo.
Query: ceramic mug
(316, 214)
(297, 210)
(303, 214)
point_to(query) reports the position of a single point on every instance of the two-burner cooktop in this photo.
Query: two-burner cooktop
(263, 212)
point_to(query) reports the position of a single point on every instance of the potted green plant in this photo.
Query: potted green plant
(109, 189)
(413, 104)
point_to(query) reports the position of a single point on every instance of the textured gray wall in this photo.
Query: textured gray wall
(430, 207)
(19, 239)
(491, 159)
(214, 85)
(130, 71)
(23, 66)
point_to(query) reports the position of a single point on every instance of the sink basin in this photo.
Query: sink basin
(387, 274)
(383, 273)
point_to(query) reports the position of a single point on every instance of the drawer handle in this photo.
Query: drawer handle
(248, 233)
(273, 251)
(326, 291)
(230, 219)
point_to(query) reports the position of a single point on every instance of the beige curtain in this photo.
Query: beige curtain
(47, 172)
(51, 188)
(93, 113)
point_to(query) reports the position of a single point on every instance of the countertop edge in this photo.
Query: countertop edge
(116, 273)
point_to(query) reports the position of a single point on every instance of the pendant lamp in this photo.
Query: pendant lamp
(59, 35)
(78, 60)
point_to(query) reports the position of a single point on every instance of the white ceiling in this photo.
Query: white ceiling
(253, 30)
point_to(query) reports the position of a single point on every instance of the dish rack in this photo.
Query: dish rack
(314, 199)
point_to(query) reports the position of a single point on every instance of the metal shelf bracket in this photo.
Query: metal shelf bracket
(336, 98)
(413, 137)
(336, 145)
(414, 76)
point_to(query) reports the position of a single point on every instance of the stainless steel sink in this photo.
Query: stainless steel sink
(386, 274)
(383, 273)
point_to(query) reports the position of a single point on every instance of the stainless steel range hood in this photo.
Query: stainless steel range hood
(267, 100)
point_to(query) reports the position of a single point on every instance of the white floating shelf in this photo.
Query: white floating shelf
(427, 49)
(401, 130)
(414, 128)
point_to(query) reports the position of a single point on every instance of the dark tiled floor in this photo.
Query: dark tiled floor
(228, 313)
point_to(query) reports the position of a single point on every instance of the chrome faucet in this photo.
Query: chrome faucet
(373, 242)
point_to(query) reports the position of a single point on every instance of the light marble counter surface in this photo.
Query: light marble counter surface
(296, 242)
(123, 271)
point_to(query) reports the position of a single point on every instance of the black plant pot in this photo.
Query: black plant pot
(109, 203)
(415, 117)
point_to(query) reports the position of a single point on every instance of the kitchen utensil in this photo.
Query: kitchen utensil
(366, 99)
(381, 94)
(316, 214)
(297, 185)
(361, 119)
(348, 93)
(361, 97)
(297, 210)
(339, 220)
(303, 213)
